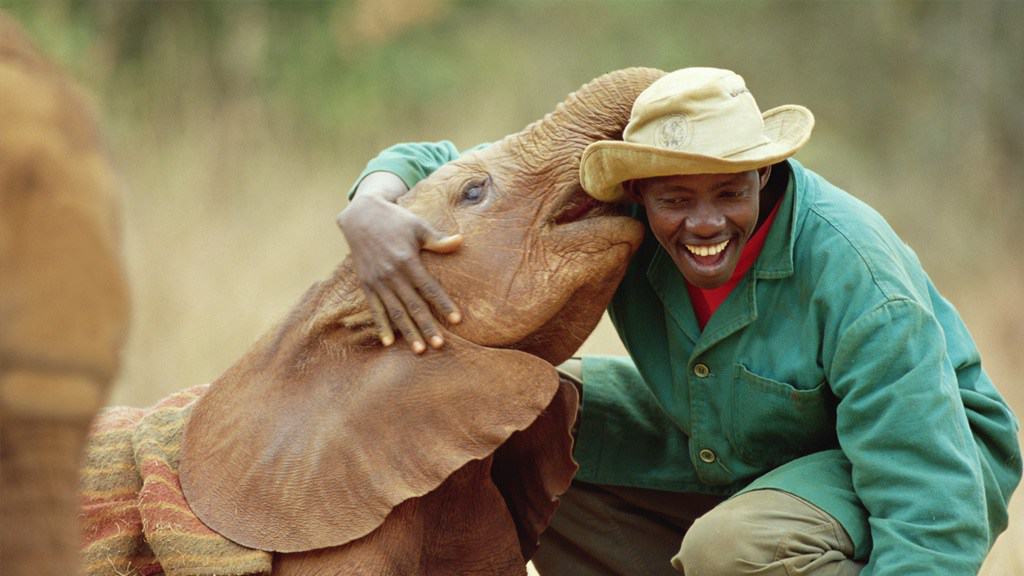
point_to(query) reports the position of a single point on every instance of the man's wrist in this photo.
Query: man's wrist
(384, 185)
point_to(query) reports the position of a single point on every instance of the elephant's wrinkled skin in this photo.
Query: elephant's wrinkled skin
(63, 303)
(385, 462)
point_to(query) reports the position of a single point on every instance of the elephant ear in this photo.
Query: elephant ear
(293, 451)
(535, 466)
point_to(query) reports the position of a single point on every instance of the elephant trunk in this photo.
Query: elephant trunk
(599, 110)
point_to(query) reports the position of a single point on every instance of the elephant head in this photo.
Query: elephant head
(321, 439)
(541, 258)
(63, 302)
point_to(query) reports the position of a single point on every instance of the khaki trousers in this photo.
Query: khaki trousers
(611, 530)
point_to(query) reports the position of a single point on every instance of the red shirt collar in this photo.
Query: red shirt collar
(705, 302)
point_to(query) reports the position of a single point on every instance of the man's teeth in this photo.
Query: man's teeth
(712, 250)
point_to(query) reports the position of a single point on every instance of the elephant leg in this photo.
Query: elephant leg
(40, 451)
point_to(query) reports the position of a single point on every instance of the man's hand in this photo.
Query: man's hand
(385, 241)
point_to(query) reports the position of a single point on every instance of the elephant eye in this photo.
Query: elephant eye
(474, 192)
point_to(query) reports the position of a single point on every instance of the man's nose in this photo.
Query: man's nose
(706, 221)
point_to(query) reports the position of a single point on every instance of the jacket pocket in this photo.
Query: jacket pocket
(774, 422)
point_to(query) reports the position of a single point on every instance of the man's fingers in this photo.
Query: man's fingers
(443, 244)
(380, 318)
(434, 294)
(419, 311)
(432, 240)
(401, 319)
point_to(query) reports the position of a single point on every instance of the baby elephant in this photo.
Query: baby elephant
(341, 456)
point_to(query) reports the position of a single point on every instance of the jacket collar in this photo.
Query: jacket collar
(776, 258)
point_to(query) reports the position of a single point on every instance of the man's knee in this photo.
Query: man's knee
(765, 532)
(719, 543)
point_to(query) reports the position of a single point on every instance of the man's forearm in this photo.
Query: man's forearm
(410, 162)
(383, 185)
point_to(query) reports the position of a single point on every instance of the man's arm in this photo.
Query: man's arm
(385, 241)
(410, 162)
(902, 424)
(993, 425)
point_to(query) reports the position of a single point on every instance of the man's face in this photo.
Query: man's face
(703, 221)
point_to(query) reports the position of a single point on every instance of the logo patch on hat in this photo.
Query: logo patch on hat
(674, 133)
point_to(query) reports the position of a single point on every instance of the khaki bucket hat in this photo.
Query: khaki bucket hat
(693, 121)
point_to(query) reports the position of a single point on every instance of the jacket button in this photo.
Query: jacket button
(707, 456)
(701, 370)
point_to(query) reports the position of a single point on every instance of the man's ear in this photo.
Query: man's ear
(763, 174)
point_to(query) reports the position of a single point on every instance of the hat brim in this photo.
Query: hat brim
(606, 164)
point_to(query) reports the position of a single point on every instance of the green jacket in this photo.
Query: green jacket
(834, 371)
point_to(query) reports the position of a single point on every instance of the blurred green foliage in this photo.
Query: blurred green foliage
(332, 67)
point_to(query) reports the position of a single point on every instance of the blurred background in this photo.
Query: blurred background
(239, 126)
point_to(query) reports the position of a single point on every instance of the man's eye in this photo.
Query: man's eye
(673, 201)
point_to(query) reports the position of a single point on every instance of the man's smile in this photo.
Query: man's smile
(708, 263)
(707, 250)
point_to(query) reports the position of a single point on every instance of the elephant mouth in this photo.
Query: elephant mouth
(580, 206)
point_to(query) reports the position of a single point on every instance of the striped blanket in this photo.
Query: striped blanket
(134, 518)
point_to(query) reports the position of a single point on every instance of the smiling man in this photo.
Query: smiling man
(799, 398)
